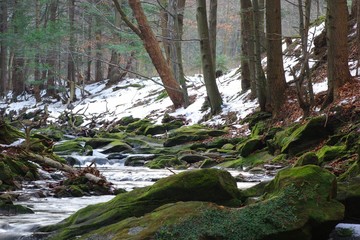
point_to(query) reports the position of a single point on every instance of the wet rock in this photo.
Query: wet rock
(298, 138)
(249, 146)
(192, 158)
(201, 185)
(118, 156)
(307, 159)
(117, 146)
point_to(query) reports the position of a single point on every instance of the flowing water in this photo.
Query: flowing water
(50, 210)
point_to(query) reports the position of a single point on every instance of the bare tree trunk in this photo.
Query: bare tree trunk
(71, 60)
(262, 25)
(165, 31)
(213, 93)
(247, 48)
(275, 67)
(3, 48)
(88, 50)
(152, 47)
(259, 72)
(175, 26)
(98, 64)
(37, 74)
(114, 59)
(337, 33)
(50, 91)
(213, 29)
(18, 74)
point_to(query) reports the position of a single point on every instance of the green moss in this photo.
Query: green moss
(298, 138)
(351, 172)
(281, 158)
(249, 146)
(117, 146)
(68, 147)
(163, 161)
(9, 134)
(328, 153)
(201, 185)
(139, 126)
(306, 159)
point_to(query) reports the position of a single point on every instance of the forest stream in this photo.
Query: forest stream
(50, 210)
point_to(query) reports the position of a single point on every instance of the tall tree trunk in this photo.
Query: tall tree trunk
(37, 73)
(337, 59)
(275, 67)
(212, 90)
(98, 64)
(247, 48)
(89, 49)
(18, 68)
(262, 25)
(175, 26)
(213, 29)
(152, 47)
(165, 32)
(51, 61)
(259, 72)
(71, 60)
(3, 48)
(114, 59)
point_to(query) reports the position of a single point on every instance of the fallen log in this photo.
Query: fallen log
(52, 163)
(94, 179)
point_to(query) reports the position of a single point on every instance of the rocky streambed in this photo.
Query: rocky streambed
(180, 190)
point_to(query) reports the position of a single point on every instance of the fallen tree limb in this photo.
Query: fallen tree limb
(94, 179)
(52, 163)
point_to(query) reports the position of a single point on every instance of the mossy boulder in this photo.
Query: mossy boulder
(124, 121)
(298, 206)
(254, 159)
(99, 142)
(309, 158)
(328, 153)
(211, 185)
(301, 137)
(314, 201)
(163, 128)
(69, 147)
(349, 195)
(8, 208)
(139, 126)
(249, 146)
(163, 161)
(117, 146)
(191, 133)
(9, 134)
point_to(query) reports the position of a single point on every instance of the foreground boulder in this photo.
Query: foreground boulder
(298, 204)
(210, 185)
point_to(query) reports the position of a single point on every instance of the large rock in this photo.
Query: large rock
(9, 134)
(210, 185)
(298, 138)
(298, 205)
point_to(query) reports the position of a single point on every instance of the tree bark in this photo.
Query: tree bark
(3, 48)
(152, 47)
(18, 68)
(37, 73)
(247, 48)
(51, 61)
(337, 33)
(213, 29)
(275, 68)
(175, 27)
(259, 72)
(71, 60)
(213, 93)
